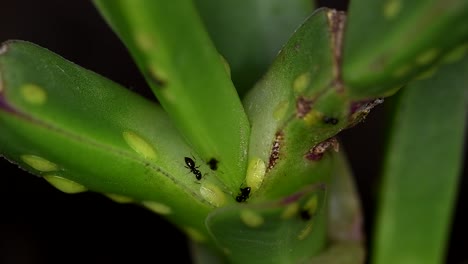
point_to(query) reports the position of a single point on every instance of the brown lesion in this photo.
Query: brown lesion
(336, 21)
(317, 151)
(275, 150)
(360, 109)
(303, 106)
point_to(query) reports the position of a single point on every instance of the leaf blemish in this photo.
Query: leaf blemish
(275, 150)
(303, 106)
(316, 153)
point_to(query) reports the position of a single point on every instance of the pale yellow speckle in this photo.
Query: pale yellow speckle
(139, 145)
(65, 185)
(194, 234)
(305, 231)
(144, 41)
(427, 57)
(158, 74)
(455, 54)
(255, 173)
(311, 205)
(158, 208)
(33, 94)
(301, 82)
(428, 73)
(212, 193)
(402, 71)
(313, 117)
(119, 198)
(226, 251)
(227, 68)
(280, 110)
(39, 163)
(290, 211)
(391, 8)
(251, 218)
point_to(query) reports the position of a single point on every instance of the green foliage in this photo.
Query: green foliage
(246, 165)
(422, 167)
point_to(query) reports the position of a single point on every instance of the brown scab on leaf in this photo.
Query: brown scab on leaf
(275, 150)
(303, 106)
(359, 110)
(317, 152)
(336, 21)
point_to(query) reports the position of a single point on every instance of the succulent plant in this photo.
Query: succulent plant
(241, 151)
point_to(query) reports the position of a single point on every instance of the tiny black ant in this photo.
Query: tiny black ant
(330, 120)
(305, 215)
(191, 166)
(243, 195)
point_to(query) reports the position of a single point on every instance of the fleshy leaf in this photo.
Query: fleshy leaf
(81, 131)
(287, 230)
(421, 170)
(250, 33)
(402, 40)
(300, 104)
(187, 75)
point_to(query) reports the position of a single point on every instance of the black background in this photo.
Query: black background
(39, 224)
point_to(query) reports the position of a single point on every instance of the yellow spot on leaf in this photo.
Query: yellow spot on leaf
(33, 94)
(194, 234)
(39, 163)
(301, 82)
(144, 42)
(311, 205)
(280, 110)
(65, 185)
(313, 117)
(428, 73)
(427, 57)
(402, 71)
(456, 54)
(139, 145)
(391, 8)
(251, 218)
(158, 208)
(119, 198)
(212, 193)
(255, 174)
(290, 211)
(305, 231)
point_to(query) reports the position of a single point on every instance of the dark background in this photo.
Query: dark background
(39, 224)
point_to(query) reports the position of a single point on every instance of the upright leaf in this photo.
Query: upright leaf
(184, 70)
(421, 170)
(249, 33)
(390, 42)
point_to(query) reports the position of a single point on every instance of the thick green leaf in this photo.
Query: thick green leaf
(249, 33)
(299, 105)
(81, 131)
(389, 42)
(422, 165)
(287, 230)
(184, 70)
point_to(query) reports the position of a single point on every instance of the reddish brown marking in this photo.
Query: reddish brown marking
(275, 150)
(303, 106)
(360, 109)
(316, 153)
(336, 21)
